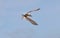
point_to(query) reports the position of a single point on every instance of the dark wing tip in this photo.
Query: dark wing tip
(35, 24)
(38, 9)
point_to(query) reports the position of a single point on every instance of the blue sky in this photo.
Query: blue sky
(13, 26)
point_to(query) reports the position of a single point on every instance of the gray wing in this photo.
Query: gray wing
(34, 10)
(32, 21)
(37, 9)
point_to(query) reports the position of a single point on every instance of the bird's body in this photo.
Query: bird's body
(27, 15)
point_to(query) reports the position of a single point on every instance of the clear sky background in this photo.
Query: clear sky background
(13, 26)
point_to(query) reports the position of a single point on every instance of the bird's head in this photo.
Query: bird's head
(28, 14)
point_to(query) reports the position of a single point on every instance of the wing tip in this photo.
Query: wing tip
(35, 24)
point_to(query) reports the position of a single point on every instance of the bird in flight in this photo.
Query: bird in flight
(28, 15)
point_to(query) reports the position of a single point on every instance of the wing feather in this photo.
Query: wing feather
(34, 10)
(32, 21)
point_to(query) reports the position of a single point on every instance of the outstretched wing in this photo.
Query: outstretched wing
(29, 12)
(32, 21)
(37, 9)
(34, 10)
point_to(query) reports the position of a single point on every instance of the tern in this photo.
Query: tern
(28, 15)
